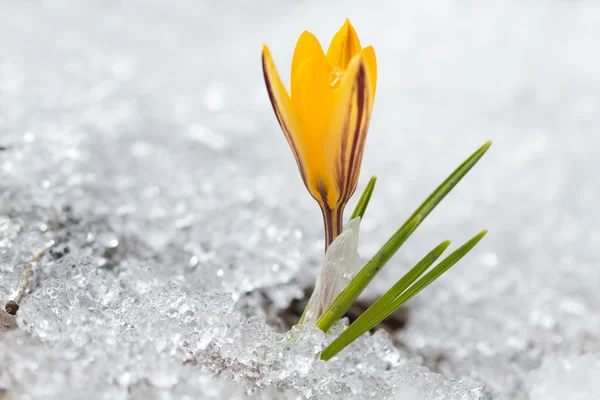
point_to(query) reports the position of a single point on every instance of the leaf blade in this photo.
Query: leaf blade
(450, 182)
(365, 197)
(346, 338)
(377, 312)
(439, 269)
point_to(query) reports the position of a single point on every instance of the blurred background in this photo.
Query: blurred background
(151, 122)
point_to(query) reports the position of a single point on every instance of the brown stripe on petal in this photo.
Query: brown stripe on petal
(331, 217)
(360, 105)
(341, 162)
(322, 190)
(281, 120)
(358, 136)
(365, 129)
(356, 169)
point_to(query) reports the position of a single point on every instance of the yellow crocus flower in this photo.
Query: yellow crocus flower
(326, 116)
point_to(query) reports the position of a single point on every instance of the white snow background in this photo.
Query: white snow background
(144, 152)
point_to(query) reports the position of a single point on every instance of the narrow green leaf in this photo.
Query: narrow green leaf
(356, 329)
(400, 286)
(345, 299)
(311, 298)
(365, 275)
(365, 197)
(377, 312)
(441, 191)
(438, 270)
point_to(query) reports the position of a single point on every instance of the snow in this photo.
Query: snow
(144, 158)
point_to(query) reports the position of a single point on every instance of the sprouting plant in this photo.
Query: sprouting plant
(325, 119)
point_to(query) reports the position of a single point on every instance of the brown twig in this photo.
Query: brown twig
(12, 306)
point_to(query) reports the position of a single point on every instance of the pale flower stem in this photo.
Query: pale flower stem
(332, 220)
(325, 290)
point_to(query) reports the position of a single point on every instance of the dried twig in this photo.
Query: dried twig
(12, 306)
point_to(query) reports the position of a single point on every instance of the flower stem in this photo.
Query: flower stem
(332, 218)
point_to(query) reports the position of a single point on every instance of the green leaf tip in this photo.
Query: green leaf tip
(444, 244)
(452, 180)
(439, 269)
(365, 197)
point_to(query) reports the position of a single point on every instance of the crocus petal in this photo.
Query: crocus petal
(347, 135)
(312, 96)
(307, 47)
(369, 55)
(344, 46)
(282, 106)
(312, 100)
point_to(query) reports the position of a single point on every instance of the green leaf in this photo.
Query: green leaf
(441, 191)
(362, 279)
(365, 197)
(438, 270)
(311, 299)
(378, 311)
(381, 309)
(365, 275)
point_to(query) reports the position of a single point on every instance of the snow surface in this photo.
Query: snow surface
(573, 378)
(144, 154)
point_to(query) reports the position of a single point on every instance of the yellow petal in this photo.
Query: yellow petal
(369, 55)
(344, 46)
(282, 105)
(307, 46)
(347, 134)
(312, 100)
(312, 96)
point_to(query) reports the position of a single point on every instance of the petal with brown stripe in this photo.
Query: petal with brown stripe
(347, 134)
(282, 105)
(369, 55)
